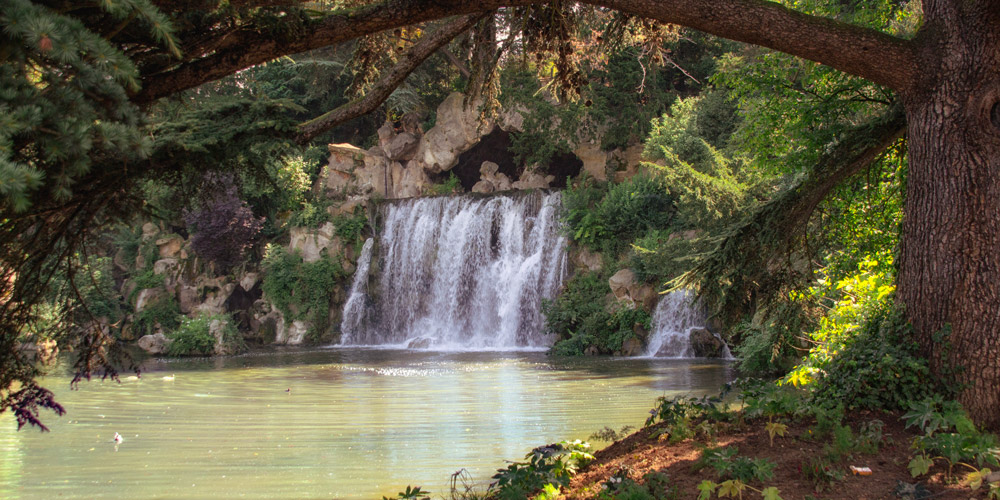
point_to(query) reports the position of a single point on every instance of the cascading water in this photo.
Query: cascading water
(673, 321)
(355, 307)
(461, 273)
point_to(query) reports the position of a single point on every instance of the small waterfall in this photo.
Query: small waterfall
(463, 272)
(674, 318)
(353, 318)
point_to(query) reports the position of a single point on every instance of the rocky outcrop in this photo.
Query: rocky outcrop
(583, 258)
(154, 344)
(532, 179)
(314, 243)
(490, 179)
(705, 344)
(627, 289)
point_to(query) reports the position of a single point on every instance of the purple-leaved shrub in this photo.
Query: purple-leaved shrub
(224, 227)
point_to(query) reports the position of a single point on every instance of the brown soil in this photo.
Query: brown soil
(642, 452)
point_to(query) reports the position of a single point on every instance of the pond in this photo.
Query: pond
(326, 423)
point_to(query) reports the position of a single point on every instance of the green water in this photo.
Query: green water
(325, 424)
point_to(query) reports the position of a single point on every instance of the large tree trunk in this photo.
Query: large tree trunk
(950, 262)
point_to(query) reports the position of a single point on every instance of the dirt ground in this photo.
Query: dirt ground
(643, 452)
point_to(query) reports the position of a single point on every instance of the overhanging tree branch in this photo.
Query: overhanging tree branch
(750, 266)
(864, 52)
(389, 81)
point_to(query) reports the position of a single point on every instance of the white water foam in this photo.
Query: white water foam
(673, 320)
(461, 273)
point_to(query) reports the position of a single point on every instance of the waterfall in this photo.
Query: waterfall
(674, 319)
(355, 308)
(461, 272)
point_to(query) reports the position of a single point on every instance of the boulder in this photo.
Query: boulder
(595, 159)
(488, 169)
(402, 147)
(170, 247)
(632, 347)
(218, 330)
(456, 129)
(705, 344)
(620, 283)
(591, 350)
(645, 295)
(147, 296)
(149, 230)
(312, 243)
(154, 344)
(248, 281)
(412, 182)
(483, 186)
(532, 179)
(345, 207)
(291, 334)
(170, 269)
(585, 259)
(188, 298)
(420, 343)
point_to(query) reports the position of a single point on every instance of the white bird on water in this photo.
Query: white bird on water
(169, 378)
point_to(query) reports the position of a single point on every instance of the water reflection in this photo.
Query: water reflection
(327, 423)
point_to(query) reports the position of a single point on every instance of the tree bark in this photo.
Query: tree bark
(950, 262)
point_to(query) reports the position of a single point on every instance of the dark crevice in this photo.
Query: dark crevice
(995, 114)
(494, 147)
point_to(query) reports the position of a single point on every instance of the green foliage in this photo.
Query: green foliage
(662, 255)
(579, 317)
(411, 493)
(653, 486)
(66, 93)
(608, 434)
(881, 369)
(449, 186)
(349, 227)
(553, 464)
(163, 312)
(194, 336)
(680, 413)
(949, 434)
(299, 289)
(631, 208)
(728, 465)
(310, 214)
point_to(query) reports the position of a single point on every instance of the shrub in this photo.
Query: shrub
(632, 208)
(194, 336)
(880, 369)
(224, 228)
(163, 312)
(300, 290)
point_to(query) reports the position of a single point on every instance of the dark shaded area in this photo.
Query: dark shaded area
(494, 147)
(995, 114)
(563, 166)
(240, 305)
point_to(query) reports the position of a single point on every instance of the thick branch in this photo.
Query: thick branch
(389, 81)
(864, 52)
(860, 51)
(751, 265)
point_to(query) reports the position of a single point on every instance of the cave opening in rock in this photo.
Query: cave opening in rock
(496, 147)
